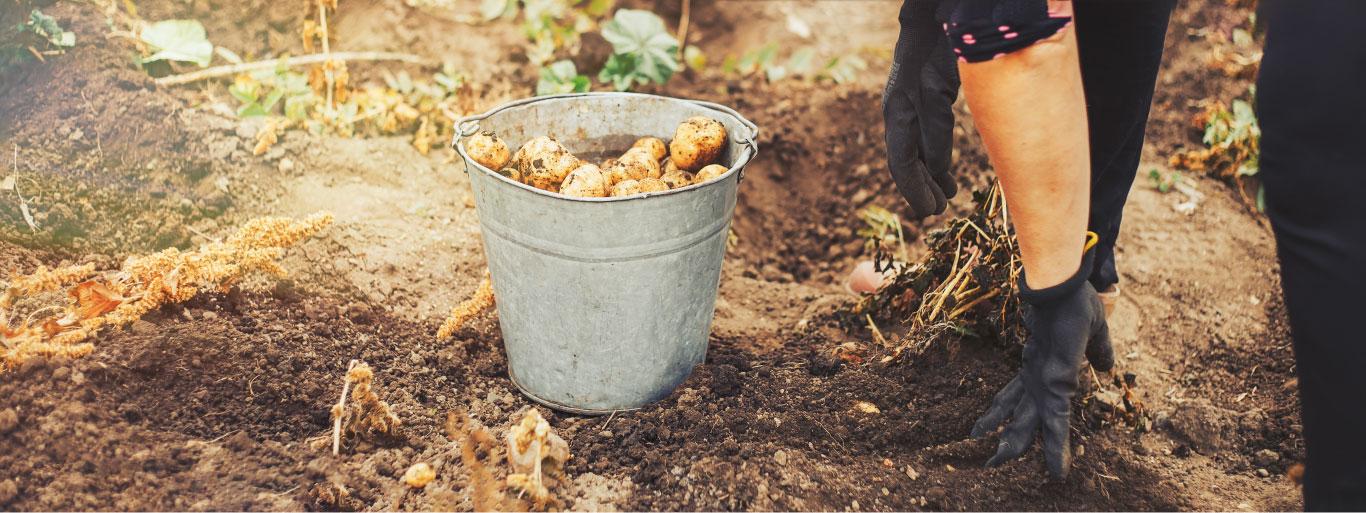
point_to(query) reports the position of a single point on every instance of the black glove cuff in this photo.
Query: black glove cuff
(1061, 290)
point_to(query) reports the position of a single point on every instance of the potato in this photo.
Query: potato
(652, 185)
(668, 166)
(585, 181)
(697, 142)
(544, 163)
(626, 188)
(677, 178)
(488, 150)
(635, 164)
(710, 173)
(654, 145)
(512, 173)
(642, 158)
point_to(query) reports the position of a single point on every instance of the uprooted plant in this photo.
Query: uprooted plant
(118, 297)
(535, 455)
(478, 449)
(366, 416)
(966, 282)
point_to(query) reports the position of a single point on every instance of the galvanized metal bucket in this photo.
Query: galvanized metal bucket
(605, 303)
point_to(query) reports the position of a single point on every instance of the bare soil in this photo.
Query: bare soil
(215, 404)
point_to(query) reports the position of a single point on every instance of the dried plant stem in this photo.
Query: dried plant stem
(327, 51)
(317, 58)
(338, 409)
(959, 311)
(877, 333)
(683, 23)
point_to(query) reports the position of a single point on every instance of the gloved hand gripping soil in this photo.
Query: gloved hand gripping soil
(1065, 322)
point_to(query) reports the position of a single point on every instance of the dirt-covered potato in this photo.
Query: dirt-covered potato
(668, 166)
(654, 145)
(652, 185)
(585, 181)
(710, 173)
(544, 163)
(488, 150)
(677, 178)
(626, 188)
(512, 173)
(698, 141)
(635, 164)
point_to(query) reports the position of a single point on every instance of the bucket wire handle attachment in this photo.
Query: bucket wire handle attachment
(468, 127)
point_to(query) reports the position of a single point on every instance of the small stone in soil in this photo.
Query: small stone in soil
(780, 457)
(8, 491)
(1266, 457)
(1261, 472)
(9, 419)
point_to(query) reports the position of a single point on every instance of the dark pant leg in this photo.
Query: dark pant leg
(1312, 108)
(1120, 45)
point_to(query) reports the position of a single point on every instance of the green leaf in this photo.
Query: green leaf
(177, 40)
(252, 109)
(802, 62)
(598, 8)
(272, 99)
(844, 69)
(228, 55)
(296, 107)
(561, 77)
(619, 71)
(245, 92)
(642, 35)
(757, 60)
(47, 28)
(694, 58)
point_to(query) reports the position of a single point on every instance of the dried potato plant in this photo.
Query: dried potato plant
(536, 456)
(468, 309)
(478, 448)
(967, 281)
(97, 299)
(367, 416)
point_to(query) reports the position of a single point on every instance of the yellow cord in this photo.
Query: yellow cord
(1091, 240)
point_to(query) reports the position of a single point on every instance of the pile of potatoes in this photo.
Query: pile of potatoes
(649, 166)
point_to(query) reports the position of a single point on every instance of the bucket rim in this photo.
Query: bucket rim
(469, 125)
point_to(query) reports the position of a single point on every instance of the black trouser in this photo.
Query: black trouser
(1311, 101)
(1120, 46)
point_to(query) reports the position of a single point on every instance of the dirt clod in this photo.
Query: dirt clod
(8, 490)
(9, 419)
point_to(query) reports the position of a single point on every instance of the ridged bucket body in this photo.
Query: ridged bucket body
(605, 304)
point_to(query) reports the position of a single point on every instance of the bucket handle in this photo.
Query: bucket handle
(469, 125)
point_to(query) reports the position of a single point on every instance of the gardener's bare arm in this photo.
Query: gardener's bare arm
(1031, 113)
(1021, 74)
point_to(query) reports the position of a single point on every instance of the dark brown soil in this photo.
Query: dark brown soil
(222, 403)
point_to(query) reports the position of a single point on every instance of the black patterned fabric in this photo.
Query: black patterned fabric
(982, 30)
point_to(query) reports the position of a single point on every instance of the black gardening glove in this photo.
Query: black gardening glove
(917, 109)
(1065, 323)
